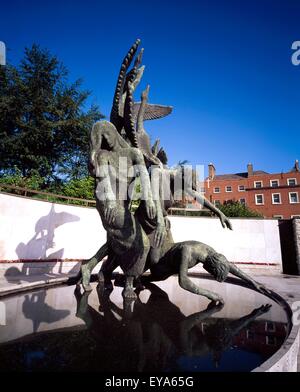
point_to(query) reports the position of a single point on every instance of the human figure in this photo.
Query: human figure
(184, 255)
(127, 243)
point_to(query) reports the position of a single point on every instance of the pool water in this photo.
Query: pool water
(168, 329)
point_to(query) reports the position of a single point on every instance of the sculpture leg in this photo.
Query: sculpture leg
(82, 310)
(107, 268)
(88, 266)
(134, 273)
(136, 270)
(128, 292)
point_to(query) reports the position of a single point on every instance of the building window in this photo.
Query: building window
(249, 334)
(274, 183)
(271, 340)
(228, 188)
(276, 198)
(292, 181)
(202, 190)
(295, 216)
(216, 189)
(243, 201)
(241, 188)
(293, 197)
(278, 216)
(258, 184)
(270, 326)
(217, 202)
(259, 199)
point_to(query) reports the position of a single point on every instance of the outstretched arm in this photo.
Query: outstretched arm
(237, 325)
(234, 270)
(206, 203)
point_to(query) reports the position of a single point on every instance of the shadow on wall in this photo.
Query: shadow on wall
(39, 245)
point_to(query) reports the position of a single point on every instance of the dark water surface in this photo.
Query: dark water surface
(59, 329)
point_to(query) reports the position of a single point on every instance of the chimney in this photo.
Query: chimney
(211, 171)
(297, 165)
(250, 169)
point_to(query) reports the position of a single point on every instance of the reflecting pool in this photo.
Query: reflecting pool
(169, 329)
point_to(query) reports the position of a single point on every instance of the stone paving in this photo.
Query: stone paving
(286, 285)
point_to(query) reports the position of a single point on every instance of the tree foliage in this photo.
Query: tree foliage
(34, 181)
(81, 187)
(44, 125)
(235, 209)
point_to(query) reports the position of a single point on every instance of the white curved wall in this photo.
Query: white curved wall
(33, 229)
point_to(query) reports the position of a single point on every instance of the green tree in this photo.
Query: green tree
(82, 188)
(44, 125)
(236, 209)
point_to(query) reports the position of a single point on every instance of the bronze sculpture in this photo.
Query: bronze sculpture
(120, 152)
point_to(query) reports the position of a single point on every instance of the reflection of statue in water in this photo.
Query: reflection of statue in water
(158, 341)
(35, 308)
(219, 335)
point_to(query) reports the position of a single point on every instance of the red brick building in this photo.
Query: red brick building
(273, 195)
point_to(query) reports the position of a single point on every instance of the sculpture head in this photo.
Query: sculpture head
(104, 136)
(217, 265)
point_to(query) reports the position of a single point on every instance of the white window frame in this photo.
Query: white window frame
(248, 332)
(292, 178)
(217, 187)
(242, 190)
(228, 186)
(273, 202)
(263, 199)
(294, 202)
(278, 216)
(273, 329)
(295, 216)
(268, 340)
(262, 184)
(274, 186)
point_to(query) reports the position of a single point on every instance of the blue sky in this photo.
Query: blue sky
(225, 67)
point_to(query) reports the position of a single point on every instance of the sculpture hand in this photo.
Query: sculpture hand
(262, 288)
(159, 236)
(225, 222)
(217, 299)
(262, 309)
(150, 208)
(110, 212)
(213, 306)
